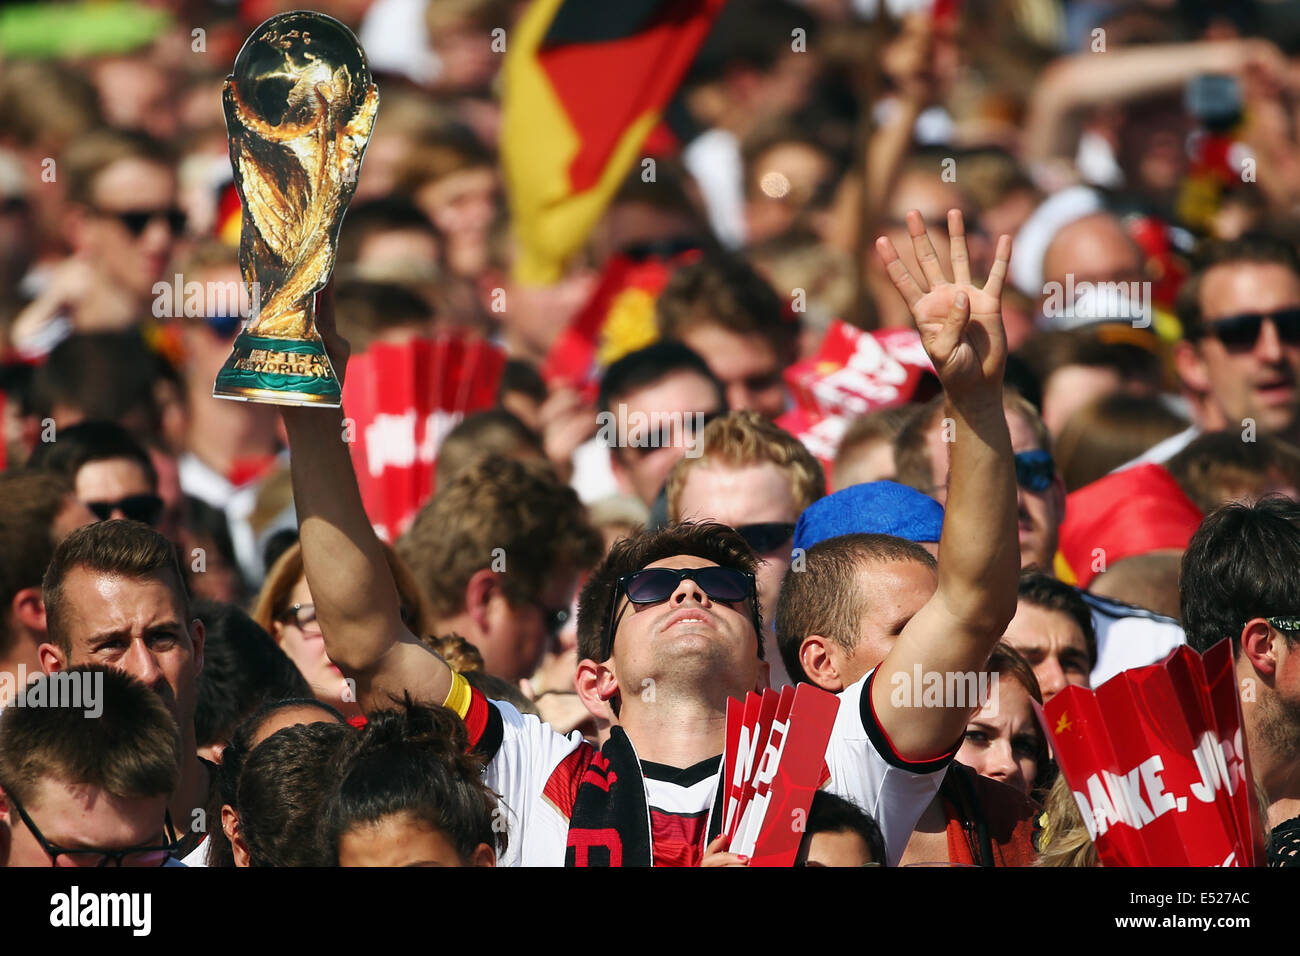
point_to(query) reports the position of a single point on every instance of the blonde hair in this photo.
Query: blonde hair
(1065, 840)
(745, 438)
(273, 599)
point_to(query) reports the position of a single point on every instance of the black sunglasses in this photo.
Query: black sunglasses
(1035, 470)
(93, 856)
(766, 536)
(652, 585)
(1241, 332)
(144, 508)
(137, 221)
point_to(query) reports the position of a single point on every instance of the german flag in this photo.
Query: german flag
(585, 83)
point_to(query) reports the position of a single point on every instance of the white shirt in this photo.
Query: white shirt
(713, 160)
(862, 765)
(197, 857)
(1162, 451)
(593, 475)
(238, 504)
(1129, 636)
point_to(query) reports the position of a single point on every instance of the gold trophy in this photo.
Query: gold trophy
(300, 106)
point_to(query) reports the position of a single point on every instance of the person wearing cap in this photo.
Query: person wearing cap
(874, 507)
(869, 569)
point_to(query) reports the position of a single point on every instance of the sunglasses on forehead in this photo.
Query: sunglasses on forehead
(652, 585)
(1241, 332)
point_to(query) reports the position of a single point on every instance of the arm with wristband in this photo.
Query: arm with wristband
(356, 598)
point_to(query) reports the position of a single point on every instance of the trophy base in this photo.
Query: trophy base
(279, 372)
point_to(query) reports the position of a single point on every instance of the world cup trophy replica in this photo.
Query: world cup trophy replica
(300, 106)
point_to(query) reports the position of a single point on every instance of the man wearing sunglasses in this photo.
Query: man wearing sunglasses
(124, 225)
(669, 627)
(924, 447)
(89, 792)
(757, 478)
(112, 473)
(672, 389)
(1240, 358)
(1239, 581)
(233, 450)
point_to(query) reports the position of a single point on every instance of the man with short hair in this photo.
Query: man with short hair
(111, 472)
(1053, 630)
(758, 478)
(866, 449)
(1239, 582)
(115, 595)
(233, 459)
(662, 392)
(37, 510)
(922, 452)
(1094, 248)
(844, 615)
(1239, 360)
(498, 550)
(88, 792)
(726, 313)
(124, 221)
(671, 629)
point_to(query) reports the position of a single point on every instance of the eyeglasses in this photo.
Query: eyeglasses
(652, 585)
(94, 856)
(1035, 470)
(303, 617)
(137, 221)
(767, 535)
(1241, 332)
(144, 508)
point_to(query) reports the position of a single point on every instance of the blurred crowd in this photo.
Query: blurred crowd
(1142, 158)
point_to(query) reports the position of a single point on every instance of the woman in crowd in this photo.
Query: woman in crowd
(1003, 739)
(286, 609)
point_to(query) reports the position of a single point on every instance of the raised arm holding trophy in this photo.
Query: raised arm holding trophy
(300, 106)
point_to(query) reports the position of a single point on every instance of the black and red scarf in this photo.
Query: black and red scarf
(609, 824)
